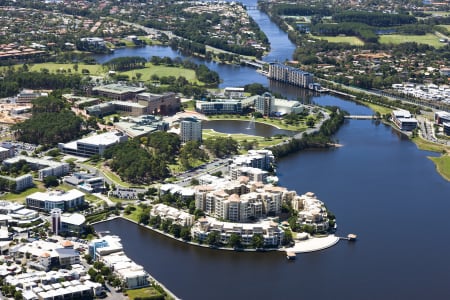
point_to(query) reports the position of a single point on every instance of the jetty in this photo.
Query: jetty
(350, 237)
(290, 255)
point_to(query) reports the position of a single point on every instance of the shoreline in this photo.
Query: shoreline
(312, 244)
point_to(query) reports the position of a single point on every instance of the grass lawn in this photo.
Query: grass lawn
(240, 137)
(378, 108)
(429, 39)
(352, 40)
(442, 165)
(142, 293)
(53, 67)
(161, 71)
(445, 26)
(21, 197)
(114, 177)
(134, 215)
(428, 146)
(274, 122)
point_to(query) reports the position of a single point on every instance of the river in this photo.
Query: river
(378, 184)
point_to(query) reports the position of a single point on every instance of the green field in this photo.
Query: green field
(429, 39)
(445, 26)
(240, 137)
(163, 71)
(352, 40)
(54, 68)
(142, 293)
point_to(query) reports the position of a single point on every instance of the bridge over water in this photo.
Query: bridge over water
(362, 117)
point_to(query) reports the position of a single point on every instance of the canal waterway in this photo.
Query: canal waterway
(378, 184)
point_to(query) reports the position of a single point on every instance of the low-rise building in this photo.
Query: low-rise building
(140, 126)
(270, 231)
(104, 246)
(93, 145)
(159, 104)
(19, 183)
(55, 199)
(17, 213)
(446, 128)
(118, 91)
(404, 120)
(441, 117)
(171, 213)
(87, 182)
(45, 167)
(261, 159)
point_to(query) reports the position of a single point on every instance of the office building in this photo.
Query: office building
(93, 145)
(117, 91)
(55, 199)
(404, 120)
(44, 167)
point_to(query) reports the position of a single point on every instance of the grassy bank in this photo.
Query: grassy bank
(442, 162)
(442, 165)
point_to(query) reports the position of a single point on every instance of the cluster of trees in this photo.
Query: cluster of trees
(126, 63)
(167, 226)
(222, 146)
(363, 31)
(51, 123)
(301, 10)
(136, 164)
(377, 19)
(13, 81)
(16, 169)
(7, 185)
(320, 139)
(190, 153)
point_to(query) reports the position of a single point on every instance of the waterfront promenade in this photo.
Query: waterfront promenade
(313, 244)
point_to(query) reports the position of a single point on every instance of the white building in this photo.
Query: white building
(261, 159)
(311, 211)
(92, 145)
(45, 167)
(55, 199)
(171, 213)
(273, 235)
(190, 129)
(404, 120)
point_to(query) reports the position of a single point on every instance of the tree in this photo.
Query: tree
(213, 238)
(288, 239)
(175, 230)
(185, 233)
(258, 241)
(235, 241)
(144, 218)
(50, 181)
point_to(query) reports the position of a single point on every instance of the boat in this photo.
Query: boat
(352, 237)
(290, 255)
